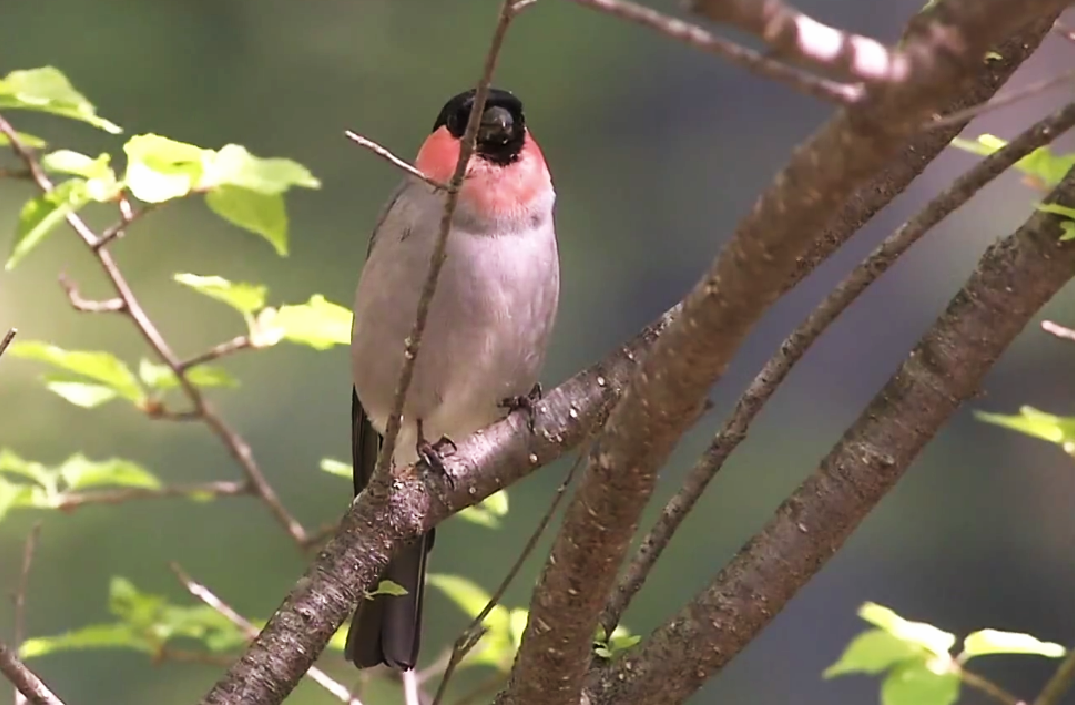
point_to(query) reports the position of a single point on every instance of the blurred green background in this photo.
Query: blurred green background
(656, 151)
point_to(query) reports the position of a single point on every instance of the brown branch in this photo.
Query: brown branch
(988, 687)
(1013, 280)
(1003, 100)
(474, 631)
(113, 305)
(796, 345)
(795, 36)
(6, 340)
(19, 596)
(1060, 682)
(229, 347)
(383, 153)
(667, 395)
(440, 248)
(127, 215)
(24, 679)
(206, 595)
(698, 38)
(233, 442)
(74, 500)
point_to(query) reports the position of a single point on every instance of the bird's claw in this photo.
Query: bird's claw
(525, 403)
(433, 454)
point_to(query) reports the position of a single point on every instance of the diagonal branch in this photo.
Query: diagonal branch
(668, 393)
(1013, 280)
(25, 680)
(6, 340)
(796, 345)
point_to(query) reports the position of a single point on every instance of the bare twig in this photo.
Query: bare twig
(474, 631)
(127, 215)
(6, 340)
(393, 159)
(113, 305)
(793, 348)
(984, 685)
(73, 500)
(1058, 330)
(19, 596)
(224, 349)
(1060, 682)
(237, 447)
(206, 595)
(25, 680)
(1003, 100)
(436, 261)
(696, 37)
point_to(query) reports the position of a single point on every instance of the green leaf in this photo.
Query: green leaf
(317, 323)
(94, 636)
(43, 213)
(79, 473)
(87, 395)
(387, 587)
(1041, 164)
(47, 90)
(925, 635)
(160, 169)
(245, 298)
(1034, 423)
(99, 366)
(916, 684)
(336, 467)
(233, 165)
(133, 606)
(27, 140)
(1067, 225)
(338, 642)
(487, 513)
(990, 641)
(12, 463)
(517, 621)
(261, 214)
(161, 376)
(9, 496)
(872, 652)
(101, 184)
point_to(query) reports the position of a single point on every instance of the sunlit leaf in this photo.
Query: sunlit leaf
(317, 323)
(160, 169)
(161, 376)
(25, 139)
(79, 473)
(87, 395)
(991, 641)
(1038, 424)
(336, 467)
(917, 633)
(43, 213)
(94, 636)
(517, 621)
(245, 298)
(99, 366)
(1041, 164)
(260, 213)
(913, 683)
(471, 598)
(487, 513)
(101, 183)
(47, 90)
(387, 587)
(233, 165)
(873, 652)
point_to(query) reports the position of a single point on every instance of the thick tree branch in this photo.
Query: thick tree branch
(1013, 280)
(796, 345)
(668, 393)
(25, 680)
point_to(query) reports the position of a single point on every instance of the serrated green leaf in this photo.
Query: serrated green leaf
(94, 636)
(916, 684)
(1034, 423)
(336, 467)
(872, 652)
(27, 140)
(245, 298)
(47, 90)
(991, 641)
(261, 214)
(79, 473)
(43, 213)
(233, 165)
(925, 635)
(161, 376)
(97, 365)
(160, 169)
(317, 323)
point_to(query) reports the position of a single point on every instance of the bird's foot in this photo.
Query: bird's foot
(433, 454)
(525, 403)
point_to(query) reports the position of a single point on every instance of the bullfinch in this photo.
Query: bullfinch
(486, 336)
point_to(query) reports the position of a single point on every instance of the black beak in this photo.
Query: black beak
(496, 125)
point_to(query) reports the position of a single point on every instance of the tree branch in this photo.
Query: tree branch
(668, 393)
(24, 679)
(19, 597)
(796, 345)
(1013, 280)
(1060, 683)
(6, 340)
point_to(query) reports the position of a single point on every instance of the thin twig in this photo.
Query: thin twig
(19, 598)
(694, 36)
(1060, 682)
(393, 159)
(1002, 100)
(436, 261)
(25, 680)
(1058, 330)
(127, 215)
(6, 340)
(73, 500)
(474, 631)
(206, 595)
(224, 349)
(778, 367)
(984, 685)
(237, 447)
(113, 305)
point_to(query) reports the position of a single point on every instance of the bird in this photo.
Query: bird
(488, 330)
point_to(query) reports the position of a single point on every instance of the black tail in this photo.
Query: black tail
(388, 628)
